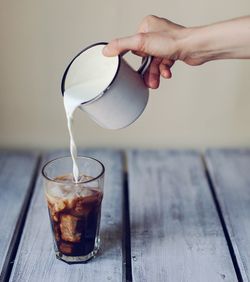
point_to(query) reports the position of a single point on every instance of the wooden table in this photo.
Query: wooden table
(174, 216)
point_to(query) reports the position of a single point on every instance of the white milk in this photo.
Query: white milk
(73, 98)
(88, 76)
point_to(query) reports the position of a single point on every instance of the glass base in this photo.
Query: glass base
(77, 259)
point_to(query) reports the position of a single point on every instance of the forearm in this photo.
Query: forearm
(225, 40)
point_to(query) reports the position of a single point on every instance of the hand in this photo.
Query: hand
(168, 42)
(156, 37)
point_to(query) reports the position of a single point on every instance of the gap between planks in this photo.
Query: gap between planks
(222, 221)
(16, 237)
(127, 270)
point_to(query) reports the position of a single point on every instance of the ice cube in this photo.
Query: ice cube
(68, 227)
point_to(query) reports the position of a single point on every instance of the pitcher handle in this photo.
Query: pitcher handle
(146, 61)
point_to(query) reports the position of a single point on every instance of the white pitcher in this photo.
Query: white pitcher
(121, 96)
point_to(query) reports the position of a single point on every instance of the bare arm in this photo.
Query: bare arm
(224, 40)
(168, 42)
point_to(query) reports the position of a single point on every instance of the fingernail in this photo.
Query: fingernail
(153, 84)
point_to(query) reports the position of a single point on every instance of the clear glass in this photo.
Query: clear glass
(74, 208)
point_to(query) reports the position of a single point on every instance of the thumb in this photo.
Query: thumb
(136, 43)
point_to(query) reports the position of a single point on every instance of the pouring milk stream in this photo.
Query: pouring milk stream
(73, 98)
(106, 88)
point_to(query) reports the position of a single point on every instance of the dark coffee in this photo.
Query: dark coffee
(75, 221)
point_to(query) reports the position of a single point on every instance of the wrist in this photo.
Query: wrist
(223, 40)
(195, 46)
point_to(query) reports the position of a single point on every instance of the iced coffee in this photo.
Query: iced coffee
(75, 211)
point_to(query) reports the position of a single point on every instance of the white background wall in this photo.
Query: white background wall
(199, 107)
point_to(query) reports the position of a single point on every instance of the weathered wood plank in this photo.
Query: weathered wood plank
(230, 174)
(176, 234)
(16, 174)
(36, 260)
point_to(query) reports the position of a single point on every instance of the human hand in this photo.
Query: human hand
(168, 42)
(157, 37)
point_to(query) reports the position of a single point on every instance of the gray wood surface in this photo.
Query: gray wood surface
(176, 234)
(16, 172)
(35, 259)
(230, 173)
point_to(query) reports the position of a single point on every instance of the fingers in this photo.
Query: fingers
(152, 75)
(135, 43)
(165, 71)
(140, 45)
(165, 67)
(141, 54)
(118, 46)
(158, 67)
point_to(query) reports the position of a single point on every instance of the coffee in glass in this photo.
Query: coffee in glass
(74, 208)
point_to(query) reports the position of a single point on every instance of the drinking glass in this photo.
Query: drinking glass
(74, 208)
